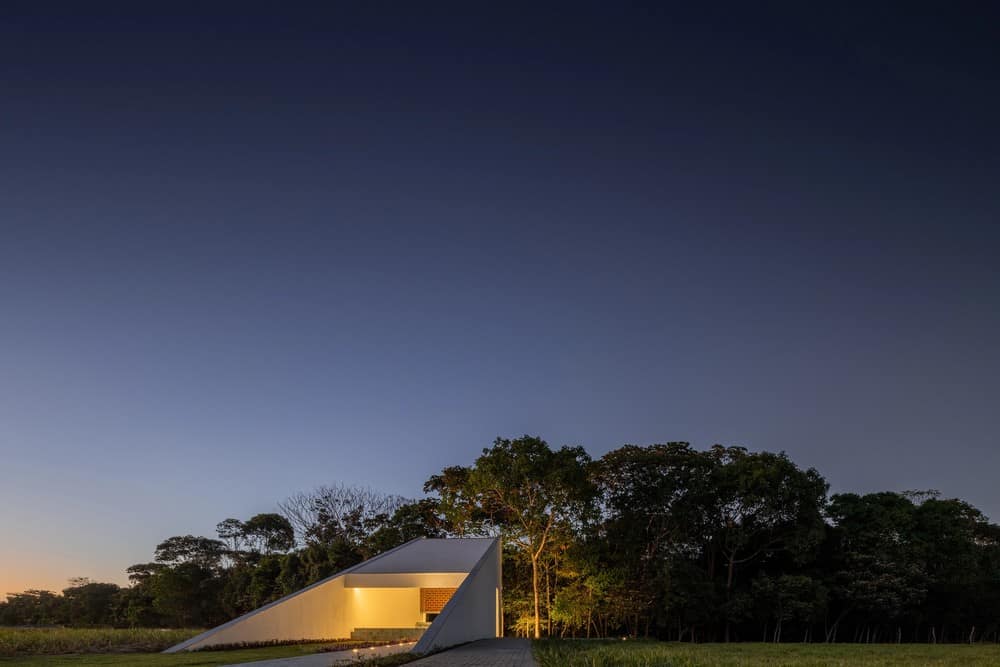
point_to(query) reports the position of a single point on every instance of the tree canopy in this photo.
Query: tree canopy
(663, 540)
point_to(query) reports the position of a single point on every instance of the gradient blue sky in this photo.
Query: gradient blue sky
(247, 250)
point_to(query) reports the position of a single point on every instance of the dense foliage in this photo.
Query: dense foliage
(664, 541)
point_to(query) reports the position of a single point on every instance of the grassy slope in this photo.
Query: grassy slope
(570, 653)
(161, 660)
(203, 658)
(104, 646)
(29, 641)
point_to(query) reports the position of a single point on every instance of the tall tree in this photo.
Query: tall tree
(655, 502)
(525, 489)
(878, 572)
(267, 534)
(420, 518)
(763, 504)
(202, 551)
(338, 513)
(90, 602)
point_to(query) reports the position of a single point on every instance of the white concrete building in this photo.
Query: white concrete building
(440, 592)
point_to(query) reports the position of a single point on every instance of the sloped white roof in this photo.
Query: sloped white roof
(428, 555)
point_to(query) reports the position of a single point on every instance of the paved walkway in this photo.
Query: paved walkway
(329, 658)
(483, 653)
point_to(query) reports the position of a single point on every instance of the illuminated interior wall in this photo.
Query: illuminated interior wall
(384, 607)
(323, 612)
(331, 611)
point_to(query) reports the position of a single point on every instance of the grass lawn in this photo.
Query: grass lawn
(207, 658)
(39, 641)
(584, 653)
(160, 660)
(105, 646)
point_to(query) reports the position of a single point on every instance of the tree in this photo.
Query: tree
(525, 490)
(230, 531)
(89, 602)
(33, 607)
(202, 551)
(662, 539)
(134, 608)
(655, 502)
(348, 514)
(458, 503)
(188, 595)
(420, 518)
(763, 503)
(877, 569)
(789, 597)
(266, 534)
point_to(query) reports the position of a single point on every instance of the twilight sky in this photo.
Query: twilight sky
(250, 249)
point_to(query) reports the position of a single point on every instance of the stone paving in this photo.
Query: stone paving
(329, 658)
(483, 653)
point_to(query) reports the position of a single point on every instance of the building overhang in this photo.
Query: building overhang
(406, 580)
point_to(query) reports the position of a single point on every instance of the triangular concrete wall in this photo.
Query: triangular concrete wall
(474, 611)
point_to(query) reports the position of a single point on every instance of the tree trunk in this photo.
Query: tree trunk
(831, 632)
(548, 605)
(534, 586)
(729, 588)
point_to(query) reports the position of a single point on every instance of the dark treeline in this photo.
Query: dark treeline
(663, 541)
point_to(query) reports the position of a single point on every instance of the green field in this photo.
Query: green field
(79, 647)
(585, 653)
(47, 641)
(198, 658)
(82, 647)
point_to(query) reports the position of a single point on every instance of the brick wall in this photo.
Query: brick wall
(434, 599)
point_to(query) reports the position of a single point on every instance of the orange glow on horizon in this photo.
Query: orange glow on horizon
(19, 574)
(20, 581)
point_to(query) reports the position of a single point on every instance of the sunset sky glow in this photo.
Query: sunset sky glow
(246, 251)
